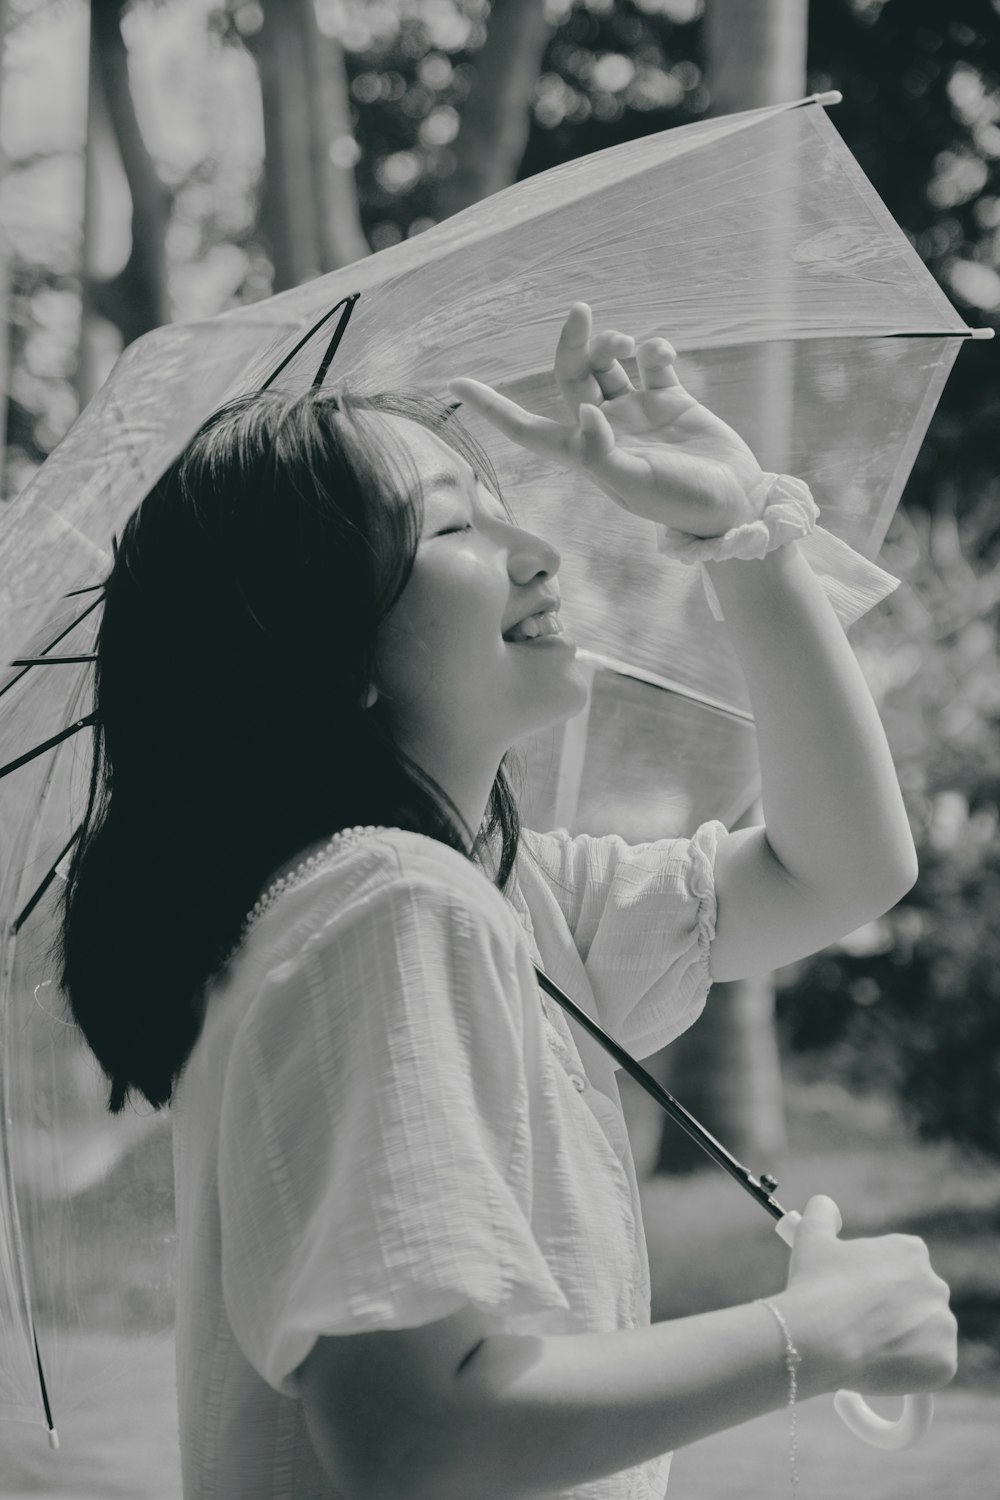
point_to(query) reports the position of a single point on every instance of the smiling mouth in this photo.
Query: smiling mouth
(541, 626)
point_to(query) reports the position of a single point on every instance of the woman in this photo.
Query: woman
(411, 1260)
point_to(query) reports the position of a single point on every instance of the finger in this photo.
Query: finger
(655, 358)
(571, 365)
(571, 349)
(598, 376)
(575, 336)
(585, 367)
(599, 455)
(605, 352)
(538, 434)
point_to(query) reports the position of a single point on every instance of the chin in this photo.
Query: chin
(564, 704)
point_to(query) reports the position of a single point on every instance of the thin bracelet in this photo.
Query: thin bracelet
(792, 1361)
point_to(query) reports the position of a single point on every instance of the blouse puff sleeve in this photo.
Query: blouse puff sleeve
(642, 918)
(374, 1151)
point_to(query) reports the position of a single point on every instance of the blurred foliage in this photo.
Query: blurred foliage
(921, 112)
(920, 1015)
(612, 72)
(911, 1003)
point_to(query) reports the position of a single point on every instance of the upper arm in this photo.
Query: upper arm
(377, 1404)
(765, 918)
(642, 919)
(374, 1156)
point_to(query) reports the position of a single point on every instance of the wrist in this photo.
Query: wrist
(773, 564)
(780, 508)
(823, 1336)
(739, 583)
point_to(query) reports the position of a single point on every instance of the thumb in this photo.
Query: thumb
(821, 1221)
(597, 438)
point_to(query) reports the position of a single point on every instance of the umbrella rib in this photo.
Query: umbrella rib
(57, 739)
(40, 889)
(49, 661)
(61, 636)
(8, 1167)
(811, 335)
(307, 336)
(963, 333)
(667, 684)
(53, 1439)
(334, 345)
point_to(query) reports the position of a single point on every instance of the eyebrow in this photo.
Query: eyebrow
(447, 479)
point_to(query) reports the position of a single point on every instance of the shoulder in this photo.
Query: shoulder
(398, 938)
(363, 885)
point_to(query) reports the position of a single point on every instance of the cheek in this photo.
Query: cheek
(459, 602)
(451, 609)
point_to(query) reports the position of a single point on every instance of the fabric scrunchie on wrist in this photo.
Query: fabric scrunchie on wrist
(785, 510)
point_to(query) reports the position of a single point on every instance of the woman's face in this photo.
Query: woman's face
(452, 686)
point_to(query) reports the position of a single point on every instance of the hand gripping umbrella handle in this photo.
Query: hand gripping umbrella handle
(854, 1411)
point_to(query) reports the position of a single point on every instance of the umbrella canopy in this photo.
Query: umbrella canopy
(801, 315)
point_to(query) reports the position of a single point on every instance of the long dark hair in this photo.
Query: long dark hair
(236, 648)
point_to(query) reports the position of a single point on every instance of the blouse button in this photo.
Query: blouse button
(578, 1083)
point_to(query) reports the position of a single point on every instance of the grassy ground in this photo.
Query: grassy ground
(710, 1246)
(959, 1458)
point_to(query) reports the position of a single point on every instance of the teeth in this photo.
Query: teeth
(546, 623)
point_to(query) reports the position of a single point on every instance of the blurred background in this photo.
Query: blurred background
(165, 160)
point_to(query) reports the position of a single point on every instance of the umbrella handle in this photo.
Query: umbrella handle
(854, 1411)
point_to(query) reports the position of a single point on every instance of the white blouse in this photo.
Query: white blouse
(385, 1117)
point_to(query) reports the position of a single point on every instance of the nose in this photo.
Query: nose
(532, 552)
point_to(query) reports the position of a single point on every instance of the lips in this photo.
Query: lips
(545, 609)
(537, 627)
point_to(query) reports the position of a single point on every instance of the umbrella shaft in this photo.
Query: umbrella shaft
(666, 1101)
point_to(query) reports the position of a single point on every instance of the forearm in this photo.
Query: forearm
(531, 1415)
(833, 811)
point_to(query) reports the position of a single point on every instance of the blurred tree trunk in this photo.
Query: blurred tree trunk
(755, 52)
(496, 116)
(726, 1069)
(309, 214)
(136, 298)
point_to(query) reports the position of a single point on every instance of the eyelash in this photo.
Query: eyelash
(448, 530)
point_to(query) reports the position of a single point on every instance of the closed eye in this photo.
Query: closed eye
(448, 530)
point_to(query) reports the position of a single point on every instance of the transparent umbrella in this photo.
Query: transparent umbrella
(800, 314)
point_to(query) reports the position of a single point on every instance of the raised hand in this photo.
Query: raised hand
(655, 450)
